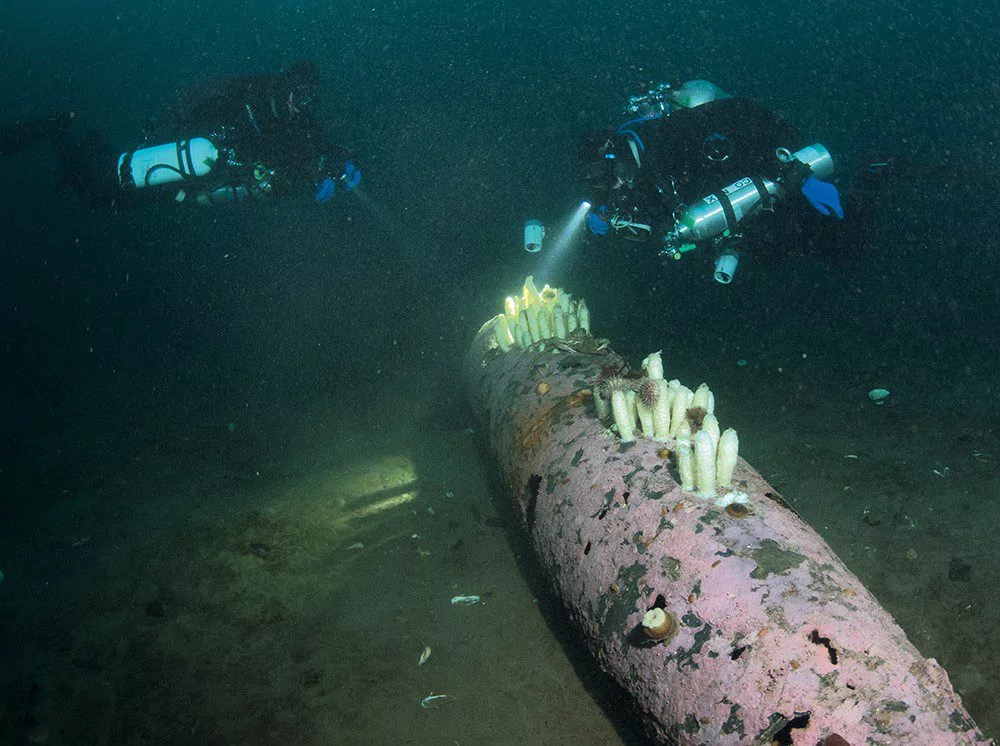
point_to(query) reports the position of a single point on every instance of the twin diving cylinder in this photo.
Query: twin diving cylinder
(717, 213)
(167, 164)
(188, 162)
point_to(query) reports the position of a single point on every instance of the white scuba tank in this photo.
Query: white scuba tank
(167, 163)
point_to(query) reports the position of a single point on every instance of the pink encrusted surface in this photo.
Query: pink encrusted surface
(774, 631)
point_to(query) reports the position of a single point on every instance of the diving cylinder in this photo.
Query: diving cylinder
(717, 213)
(229, 194)
(168, 163)
(257, 187)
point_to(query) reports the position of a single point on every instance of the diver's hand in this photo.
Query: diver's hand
(325, 190)
(352, 176)
(823, 196)
(596, 223)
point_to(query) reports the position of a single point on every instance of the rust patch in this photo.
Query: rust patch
(529, 436)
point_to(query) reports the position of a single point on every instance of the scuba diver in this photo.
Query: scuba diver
(694, 167)
(243, 138)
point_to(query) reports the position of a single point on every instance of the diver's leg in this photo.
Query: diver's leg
(88, 166)
(22, 135)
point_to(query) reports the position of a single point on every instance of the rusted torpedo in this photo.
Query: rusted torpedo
(725, 616)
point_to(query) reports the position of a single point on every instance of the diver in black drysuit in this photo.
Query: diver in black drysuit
(651, 168)
(269, 142)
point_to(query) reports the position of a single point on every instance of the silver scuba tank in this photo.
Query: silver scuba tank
(167, 163)
(719, 212)
(229, 194)
(257, 187)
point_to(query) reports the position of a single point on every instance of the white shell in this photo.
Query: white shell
(878, 395)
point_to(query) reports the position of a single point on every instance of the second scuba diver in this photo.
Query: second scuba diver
(252, 137)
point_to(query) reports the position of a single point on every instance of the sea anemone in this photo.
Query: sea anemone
(737, 510)
(659, 625)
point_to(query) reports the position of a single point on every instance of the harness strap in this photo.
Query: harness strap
(184, 158)
(766, 199)
(727, 208)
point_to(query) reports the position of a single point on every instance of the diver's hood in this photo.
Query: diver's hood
(697, 92)
(618, 159)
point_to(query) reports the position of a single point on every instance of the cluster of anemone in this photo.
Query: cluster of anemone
(668, 411)
(640, 404)
(535, 316)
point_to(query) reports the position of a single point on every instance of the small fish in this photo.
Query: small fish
(424, 655)
(464, 600)
(428, 701)
(355, 546)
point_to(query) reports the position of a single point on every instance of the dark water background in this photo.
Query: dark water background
(465, 117)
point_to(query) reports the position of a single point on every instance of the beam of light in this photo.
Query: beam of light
(341, 498)
(569, 235)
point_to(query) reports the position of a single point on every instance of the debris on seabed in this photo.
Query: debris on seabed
(464, 600)
(355, 546)
(424, 655)
(429, 700)
(879, 396)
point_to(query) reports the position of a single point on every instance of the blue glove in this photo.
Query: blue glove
(325, 190)
(823, 196)
(352, 176)
(596, 223)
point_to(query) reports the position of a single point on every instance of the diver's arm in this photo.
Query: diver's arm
(314, 160)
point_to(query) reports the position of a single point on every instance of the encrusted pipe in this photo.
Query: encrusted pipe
(728, 620)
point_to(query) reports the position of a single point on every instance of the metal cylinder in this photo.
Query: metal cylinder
(715, 214)
(168, 163)
(711, 216)
(818, 158)
(764, 633)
